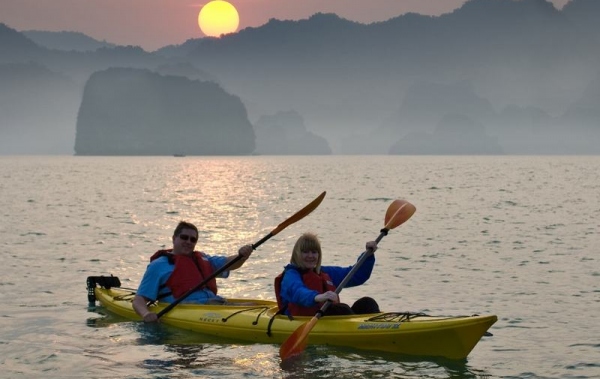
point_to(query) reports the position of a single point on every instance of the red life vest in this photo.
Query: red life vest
(189, 271)
(317, 282)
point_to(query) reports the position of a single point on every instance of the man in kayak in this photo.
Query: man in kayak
(305, 285)
(173, 272)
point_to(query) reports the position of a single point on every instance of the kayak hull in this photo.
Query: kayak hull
(410, 334)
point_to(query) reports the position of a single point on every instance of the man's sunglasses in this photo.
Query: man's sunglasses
(185, 237)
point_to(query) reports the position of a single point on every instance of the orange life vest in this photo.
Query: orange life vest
(317, 282)
(189, 271)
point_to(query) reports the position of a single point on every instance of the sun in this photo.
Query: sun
(218, 17)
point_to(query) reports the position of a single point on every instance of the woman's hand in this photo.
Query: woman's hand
(329, 295)
(372, 246)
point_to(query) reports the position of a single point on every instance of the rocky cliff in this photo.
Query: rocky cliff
(128, 111)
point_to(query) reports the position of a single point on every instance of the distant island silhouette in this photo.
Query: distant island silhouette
(284, 133)
(128, 111)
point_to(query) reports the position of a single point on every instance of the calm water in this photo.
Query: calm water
(513, 236)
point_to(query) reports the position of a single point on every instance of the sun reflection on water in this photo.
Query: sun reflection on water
(212, 193)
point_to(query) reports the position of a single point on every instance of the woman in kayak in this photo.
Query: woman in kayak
(304, 285)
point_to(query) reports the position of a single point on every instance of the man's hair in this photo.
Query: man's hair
(184, 225)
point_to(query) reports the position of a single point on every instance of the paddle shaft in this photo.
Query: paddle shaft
(200, 285)
(365, 255)
(214, 275)
(294, 218)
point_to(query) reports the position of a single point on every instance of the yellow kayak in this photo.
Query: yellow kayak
(411, 334)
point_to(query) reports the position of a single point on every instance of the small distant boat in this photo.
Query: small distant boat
(402, 333)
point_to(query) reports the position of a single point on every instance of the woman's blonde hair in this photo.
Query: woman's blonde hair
(306, 242)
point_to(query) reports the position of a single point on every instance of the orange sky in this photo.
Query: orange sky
(152, 24)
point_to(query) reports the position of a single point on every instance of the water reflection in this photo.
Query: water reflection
(187, 353)
(213, 194)
(333, 362)
(172, 352)
(103, 318)
(178, 357)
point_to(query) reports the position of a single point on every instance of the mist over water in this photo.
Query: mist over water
(489, 78)
(512, 236)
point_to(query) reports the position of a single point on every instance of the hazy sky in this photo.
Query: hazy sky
(152, 24)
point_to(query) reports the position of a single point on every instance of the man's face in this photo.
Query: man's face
(185, 242)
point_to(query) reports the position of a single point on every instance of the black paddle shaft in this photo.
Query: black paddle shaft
(294, 218)
(214, 275)
(365, 255)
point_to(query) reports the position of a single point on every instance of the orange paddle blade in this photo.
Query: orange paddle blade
(392, 209)
(401, 215)
(300, 214)
(296, 342)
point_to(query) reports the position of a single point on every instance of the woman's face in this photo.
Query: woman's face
(309, 259)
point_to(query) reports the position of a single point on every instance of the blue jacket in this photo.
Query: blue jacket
(294, 291)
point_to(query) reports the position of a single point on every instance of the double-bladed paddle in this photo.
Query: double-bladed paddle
(397, 213)
(294, 218)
